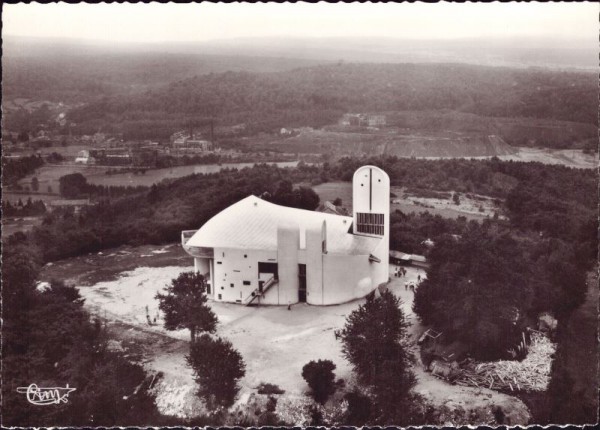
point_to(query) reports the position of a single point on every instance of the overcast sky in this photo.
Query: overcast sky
(200, 22)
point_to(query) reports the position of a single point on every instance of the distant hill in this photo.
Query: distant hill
(65, 71)
(316, 96)
(554, 53)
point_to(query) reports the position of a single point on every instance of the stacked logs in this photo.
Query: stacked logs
(530, 374)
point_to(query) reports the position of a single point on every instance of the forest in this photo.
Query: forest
(15, 169)
(319, 95)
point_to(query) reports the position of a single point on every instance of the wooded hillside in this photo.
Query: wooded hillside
(316, 96)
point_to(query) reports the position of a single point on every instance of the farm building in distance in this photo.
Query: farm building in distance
(75, 204)
(363, 120)
(259, 252)
(84, 157)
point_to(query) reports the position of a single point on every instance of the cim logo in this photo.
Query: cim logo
(46, 396)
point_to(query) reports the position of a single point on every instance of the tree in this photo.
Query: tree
(35, 184)
(374, 340)
(320, 378)
(48, 336)
(456, 198)
(477, 291)
(73, 185)
(359, 410)
(375, 333)
(218, 367)
(184, 305)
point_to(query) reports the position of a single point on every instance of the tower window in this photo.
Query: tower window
(370, 223)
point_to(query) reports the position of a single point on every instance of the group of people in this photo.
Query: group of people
(399, 271)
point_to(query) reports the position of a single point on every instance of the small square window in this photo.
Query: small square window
(219, 297)
(218, 262)
(245, 255)
(247, 282)
(231, 285)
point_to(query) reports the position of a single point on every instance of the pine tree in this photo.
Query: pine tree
(184, 305)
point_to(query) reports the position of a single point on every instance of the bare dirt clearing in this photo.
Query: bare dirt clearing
(566, 157)
(274, 342)
(475, 208)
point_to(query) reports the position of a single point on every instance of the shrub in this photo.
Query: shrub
(320, 378)
(265, 388)
(359, 410)
(218, 367)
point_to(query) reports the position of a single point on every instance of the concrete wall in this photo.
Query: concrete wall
(371, 194)
(202, 265)
(346, 277)
(233, 267)
(288, 243)
(314, 264)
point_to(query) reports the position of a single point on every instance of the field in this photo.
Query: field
(469, 208)
(11, 226)
(275, 342)
(49, 175)
(334, 143)
(566, 157)
(393, 141)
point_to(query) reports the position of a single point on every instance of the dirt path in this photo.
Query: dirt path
(275, 342)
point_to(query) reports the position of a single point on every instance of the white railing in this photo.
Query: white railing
(195, 251)
(260, 293)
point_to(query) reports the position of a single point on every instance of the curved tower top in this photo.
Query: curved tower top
(371, 202)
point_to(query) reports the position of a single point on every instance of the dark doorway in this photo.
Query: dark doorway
(302, 283)
(267, 268)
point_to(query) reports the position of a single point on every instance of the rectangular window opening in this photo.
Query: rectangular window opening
(370, 223)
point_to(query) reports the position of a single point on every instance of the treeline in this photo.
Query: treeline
(75, 185)
(158, 215)
(319, 95)
(39, 72)
(49, 339)
(15, 169)
(30, 208)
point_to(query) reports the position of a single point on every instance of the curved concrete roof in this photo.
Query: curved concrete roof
(252, 223)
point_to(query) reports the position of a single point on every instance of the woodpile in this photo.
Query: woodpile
(530, 374)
